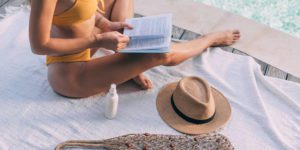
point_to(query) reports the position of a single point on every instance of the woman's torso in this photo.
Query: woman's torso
(82, 29)
(63, 76)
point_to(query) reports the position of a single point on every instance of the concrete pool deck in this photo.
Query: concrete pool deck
(260, 41)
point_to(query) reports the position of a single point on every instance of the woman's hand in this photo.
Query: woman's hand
(119, 26)
(115, 26)
(108, 26)
(111, 40)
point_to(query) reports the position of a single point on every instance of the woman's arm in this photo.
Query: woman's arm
(41, 16)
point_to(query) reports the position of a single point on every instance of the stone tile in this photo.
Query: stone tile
(177, 32)
(263, 66)
(137, 15)
(235, 51)
(275, 72)
(227, 48)
(188, 35)
(293, 78)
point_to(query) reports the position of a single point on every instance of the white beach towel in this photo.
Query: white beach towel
(266, 111)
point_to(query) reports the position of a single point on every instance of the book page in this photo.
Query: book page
(160, 25)
(152, 32)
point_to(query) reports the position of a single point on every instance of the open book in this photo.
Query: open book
(149, 34)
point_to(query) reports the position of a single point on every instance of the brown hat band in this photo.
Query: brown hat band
(187, 118)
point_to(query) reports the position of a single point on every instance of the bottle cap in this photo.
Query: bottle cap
(113, 88)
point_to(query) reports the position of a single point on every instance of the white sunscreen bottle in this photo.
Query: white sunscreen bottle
(111, 102)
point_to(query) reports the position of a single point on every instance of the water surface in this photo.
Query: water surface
(283, 15)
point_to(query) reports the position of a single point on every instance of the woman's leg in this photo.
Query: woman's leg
(115, 10)
(119, 10)
(97, 74)
(122, 10)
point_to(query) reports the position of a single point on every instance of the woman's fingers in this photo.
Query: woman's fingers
(236, 31)
(119, 41)
(123, 39)
(122, 42)
(120, 25)
(125, 25)
(121, 46)
(236, 37)
(112, 40)
(149, 83)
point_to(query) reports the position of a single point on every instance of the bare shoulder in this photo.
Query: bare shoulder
(40, 21)
(42, 4)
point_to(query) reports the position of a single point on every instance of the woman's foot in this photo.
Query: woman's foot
(223, 38)
(143, 81)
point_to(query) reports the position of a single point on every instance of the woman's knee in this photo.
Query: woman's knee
(167, 59)
(122, 10)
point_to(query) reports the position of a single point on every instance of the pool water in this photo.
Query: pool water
(283, 15)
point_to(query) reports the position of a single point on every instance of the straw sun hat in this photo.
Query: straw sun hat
(192, 106)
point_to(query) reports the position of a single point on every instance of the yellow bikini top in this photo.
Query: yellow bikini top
(81, 10)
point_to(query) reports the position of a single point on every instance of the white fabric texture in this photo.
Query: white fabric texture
(265, 111)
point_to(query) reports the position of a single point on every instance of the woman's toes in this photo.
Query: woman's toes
(236, 31)
(149, 83)
(143, 81)
(236, 35)
(225, 38)
(146, 84)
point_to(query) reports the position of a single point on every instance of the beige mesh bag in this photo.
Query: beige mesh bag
(212, 141)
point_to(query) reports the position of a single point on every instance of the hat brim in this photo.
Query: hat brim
(164, 107)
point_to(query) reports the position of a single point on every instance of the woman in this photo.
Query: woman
(70, 31)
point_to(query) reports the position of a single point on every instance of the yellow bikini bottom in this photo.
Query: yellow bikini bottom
(82, 56)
